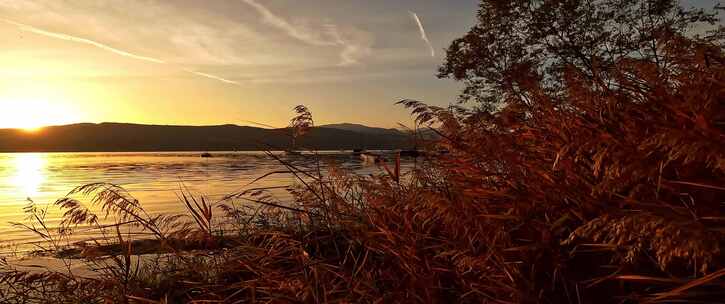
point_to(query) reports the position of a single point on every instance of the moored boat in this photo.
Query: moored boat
(371, 158)
(358, 151)
(411, 153)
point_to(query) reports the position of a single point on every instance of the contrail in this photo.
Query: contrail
(32, 29)
(422, 33)
(66, 37)
(348, 51)
(307, 36)
(293, 31)
(211, 76)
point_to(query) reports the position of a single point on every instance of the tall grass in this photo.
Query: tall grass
(587, 206)
(605, 192)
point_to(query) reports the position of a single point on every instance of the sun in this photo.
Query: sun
(32, 105)
(32, 114)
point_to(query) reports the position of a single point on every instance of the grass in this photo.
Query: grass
(464, 226)
(608, 190)
(420, 237)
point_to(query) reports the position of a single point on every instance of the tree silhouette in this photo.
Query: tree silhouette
(517, 43)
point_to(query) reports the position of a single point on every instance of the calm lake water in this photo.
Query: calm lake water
(155, 179)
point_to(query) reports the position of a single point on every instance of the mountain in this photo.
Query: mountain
(362, 129)
(117, 137)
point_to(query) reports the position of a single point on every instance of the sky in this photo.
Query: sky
(223, 61)
(210, 62)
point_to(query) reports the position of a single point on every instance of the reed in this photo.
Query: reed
(598, 183)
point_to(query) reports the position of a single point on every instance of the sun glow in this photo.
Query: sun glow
(32, 114)
(29, 173)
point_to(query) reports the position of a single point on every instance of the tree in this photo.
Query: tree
(521, 42)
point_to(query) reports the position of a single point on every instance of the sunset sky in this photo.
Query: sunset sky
(224, 61)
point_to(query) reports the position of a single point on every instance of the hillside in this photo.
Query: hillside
(363, 129)
(112, 137)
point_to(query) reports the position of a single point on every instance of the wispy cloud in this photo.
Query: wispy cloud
(35, 30)
(423, 35)
(329, 36)
(280, 23)
(105, 47)
(350, 51)
(210, 76)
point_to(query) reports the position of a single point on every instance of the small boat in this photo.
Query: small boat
(411, 153)
(358, 151)
(206, 155)
(371, 158)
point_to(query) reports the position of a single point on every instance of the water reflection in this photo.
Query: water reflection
(29, 174)
(153, 178)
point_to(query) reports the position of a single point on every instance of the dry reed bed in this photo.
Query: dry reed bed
(605, 184)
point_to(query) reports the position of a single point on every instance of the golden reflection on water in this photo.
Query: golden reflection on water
(29, 173)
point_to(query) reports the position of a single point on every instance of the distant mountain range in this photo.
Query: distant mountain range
(363, 129)
(120, 137)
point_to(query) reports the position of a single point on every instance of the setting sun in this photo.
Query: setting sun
(32, 114)
(407, 151)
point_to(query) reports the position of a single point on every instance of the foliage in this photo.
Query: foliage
(300, 124)
(519, 42)
(590, 171)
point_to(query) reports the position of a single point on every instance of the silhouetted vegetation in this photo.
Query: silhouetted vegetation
(586, 164)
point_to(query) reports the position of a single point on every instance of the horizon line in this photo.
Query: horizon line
(250, 125)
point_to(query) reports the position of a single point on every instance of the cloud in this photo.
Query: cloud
(105, 47)
(212, 76)
(423, 34)
(293, 31)
(330, 35)
(350, 51)
(232, 40)
(31, 29)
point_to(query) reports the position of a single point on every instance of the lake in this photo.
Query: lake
(155, 179)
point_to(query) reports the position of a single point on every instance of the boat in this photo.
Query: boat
(358, 151)
(371, 158)
(206, 155)
(411, 153)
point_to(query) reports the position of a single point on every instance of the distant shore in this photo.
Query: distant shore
(118, 137)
